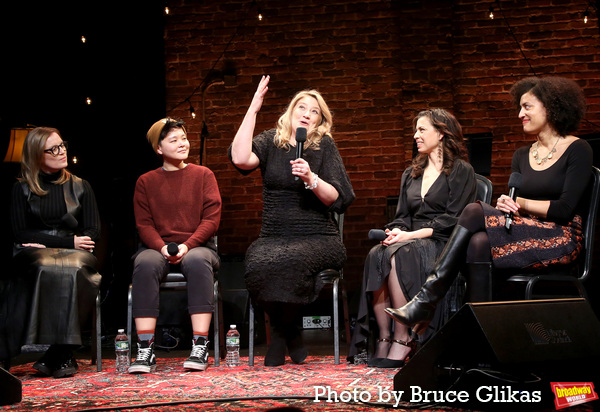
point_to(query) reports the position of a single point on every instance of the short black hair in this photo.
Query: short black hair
(170, 125)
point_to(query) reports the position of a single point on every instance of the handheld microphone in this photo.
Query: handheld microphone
(377, 234)
(172, 249)
(300, 139)
(514, 184)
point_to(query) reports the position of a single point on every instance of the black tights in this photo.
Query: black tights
(473, 220)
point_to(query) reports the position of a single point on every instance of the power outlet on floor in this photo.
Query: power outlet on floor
(316, 322)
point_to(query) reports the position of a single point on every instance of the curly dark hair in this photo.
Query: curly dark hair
(562, 98)
(452, 143)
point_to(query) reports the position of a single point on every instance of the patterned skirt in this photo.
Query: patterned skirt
(531, 243)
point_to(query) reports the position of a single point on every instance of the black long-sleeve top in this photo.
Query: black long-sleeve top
(563, 183)
(442, 204)
(29, 228)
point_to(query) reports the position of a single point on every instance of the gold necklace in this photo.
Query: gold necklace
(536, 156)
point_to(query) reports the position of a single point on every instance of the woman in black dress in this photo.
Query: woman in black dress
(547, 224)
(298, 238)
(56, 225)
(433, 193)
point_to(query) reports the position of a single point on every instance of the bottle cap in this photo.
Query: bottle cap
(121, 331)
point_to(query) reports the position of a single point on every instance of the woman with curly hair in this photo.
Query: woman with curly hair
(546, 228)
(433, 193)
(299, 237)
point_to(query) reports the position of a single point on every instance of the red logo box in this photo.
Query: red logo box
(572, 393)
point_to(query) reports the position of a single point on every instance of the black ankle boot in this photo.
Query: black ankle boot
(420, 310)
(295, 344)
(276, 352)
(479, 282)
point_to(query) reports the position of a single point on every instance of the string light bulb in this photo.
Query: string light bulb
(260, 15)
(192, 111)
(585, 17)
(491, 13)
(88, 100)
(83, 39)
(167, 11)
(75, 160)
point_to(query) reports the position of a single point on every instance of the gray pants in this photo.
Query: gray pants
(150, 268)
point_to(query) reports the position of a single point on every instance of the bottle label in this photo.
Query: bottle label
(122, 345)
(232, 340)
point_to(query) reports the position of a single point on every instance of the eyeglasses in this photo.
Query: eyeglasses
(55, 150)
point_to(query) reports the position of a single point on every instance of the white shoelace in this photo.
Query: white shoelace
(143, 354)
(199, 351)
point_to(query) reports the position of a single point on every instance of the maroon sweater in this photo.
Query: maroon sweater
(182, 206)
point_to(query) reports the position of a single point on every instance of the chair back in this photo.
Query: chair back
(484, 189)
(589, 225)
(339, 219)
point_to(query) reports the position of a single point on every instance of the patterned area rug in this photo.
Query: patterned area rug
(171, 383)
(171, 388)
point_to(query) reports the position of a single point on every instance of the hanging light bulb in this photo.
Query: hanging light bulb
(74, 160)
(491, 13)
(192, 111)
(83, 39)
(260, 15)
(88, 100)
(167, 10)
(585, 17)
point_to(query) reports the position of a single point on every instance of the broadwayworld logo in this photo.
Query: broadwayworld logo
(572, 393)
(542, 336)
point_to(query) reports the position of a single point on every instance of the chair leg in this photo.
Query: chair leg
(251, 334)
(336, 326)
(129, 317)
(222, 348)
(216, 321)
(98, 333)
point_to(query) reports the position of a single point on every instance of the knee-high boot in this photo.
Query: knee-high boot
(420, 310)
(479, 282)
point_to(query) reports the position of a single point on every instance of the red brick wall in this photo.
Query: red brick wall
(377, 63)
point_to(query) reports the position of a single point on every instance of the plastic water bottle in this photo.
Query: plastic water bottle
(232, 342)
(122, 351)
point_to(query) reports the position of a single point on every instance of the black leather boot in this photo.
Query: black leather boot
(420, 310)
(479, 282)
(295, 344)
(276, 352)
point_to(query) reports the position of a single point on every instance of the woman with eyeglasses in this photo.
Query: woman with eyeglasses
(56, 226)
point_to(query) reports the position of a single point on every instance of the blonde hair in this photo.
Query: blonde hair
(31, 160)
(284, 124)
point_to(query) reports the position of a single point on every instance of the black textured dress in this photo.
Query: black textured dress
(298, 238)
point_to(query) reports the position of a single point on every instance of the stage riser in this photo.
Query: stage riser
(10, 388)
(555, 340)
